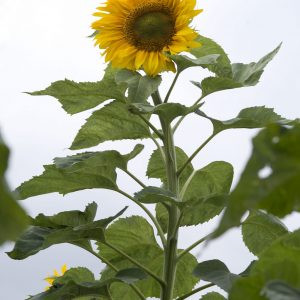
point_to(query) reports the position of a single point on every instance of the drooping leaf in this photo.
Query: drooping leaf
(278, 262)
(243, 75)
(140, 88)
(271, 178)
(56, 230)
(252, 117)
(209, 47)
(213, 296)
(13, 219)
(78, 172)
(78, 97)
(216, 272)
(135, 237)
(131, 275)
(279, 290)
(152, 194)
(260, 230)
(113, 122)
(184, 62)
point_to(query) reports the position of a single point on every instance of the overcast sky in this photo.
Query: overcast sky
(44, 41)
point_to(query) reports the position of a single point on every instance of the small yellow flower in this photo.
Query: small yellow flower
(137, 34)
(51, 279)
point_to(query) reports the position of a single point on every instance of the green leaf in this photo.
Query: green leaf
(209, 47)
(78, 275)
(205, 191)
(216, 272)
(243, 75)
(156, 166)
(78, 172)
(212, 296)
(111, 123)
(78, 97)
(278, 262)
(136, 238)
(260, 230)
(140, 88)
(184, 62)
(251, 117)
(271, 178)
(279, 290)
(13, 219)
(152, 194)
(131, 275)
(167, 111)
(73, 290)
(49, 233)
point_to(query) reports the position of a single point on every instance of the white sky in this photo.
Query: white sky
(44, 41)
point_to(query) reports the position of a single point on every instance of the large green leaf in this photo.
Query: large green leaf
(278, 262)
(260, 230)
(250, 118)
(213, 296)
(243, 75)
(78, 172)
(77, 97)
(279, 290)
(271, 178)
(135, 237)
(13, 219)
(51, 230)
(140, 88)
(209, 47)
(184, 62)
(113, 122)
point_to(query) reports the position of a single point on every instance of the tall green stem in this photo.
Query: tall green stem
(170, 262)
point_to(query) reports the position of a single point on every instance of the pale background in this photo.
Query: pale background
(45, 40)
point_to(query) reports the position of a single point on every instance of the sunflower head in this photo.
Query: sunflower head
(56, 274)
(137, 34)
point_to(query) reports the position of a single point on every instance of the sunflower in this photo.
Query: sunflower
(51, 279)
(138, 34)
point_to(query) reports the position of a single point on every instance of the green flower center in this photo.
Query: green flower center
(150, 29)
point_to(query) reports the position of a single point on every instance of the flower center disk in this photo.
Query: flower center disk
(150, 29)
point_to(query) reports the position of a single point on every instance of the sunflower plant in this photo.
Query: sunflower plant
(140, 41)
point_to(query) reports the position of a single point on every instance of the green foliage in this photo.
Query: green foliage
(131, 275)
(135, 237)
(13, 219)
(78, 97)
(278, 262)
(111, 123)
(212, 296)
(250, 118)
(140, 88)
(209, 47)
(61, 228)
(78, 172)
(216, 272)
(279, 290)
(243, 75)
(76, 283)
(276, 149)
(167, 111)
(184, 62)
(260, 230)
